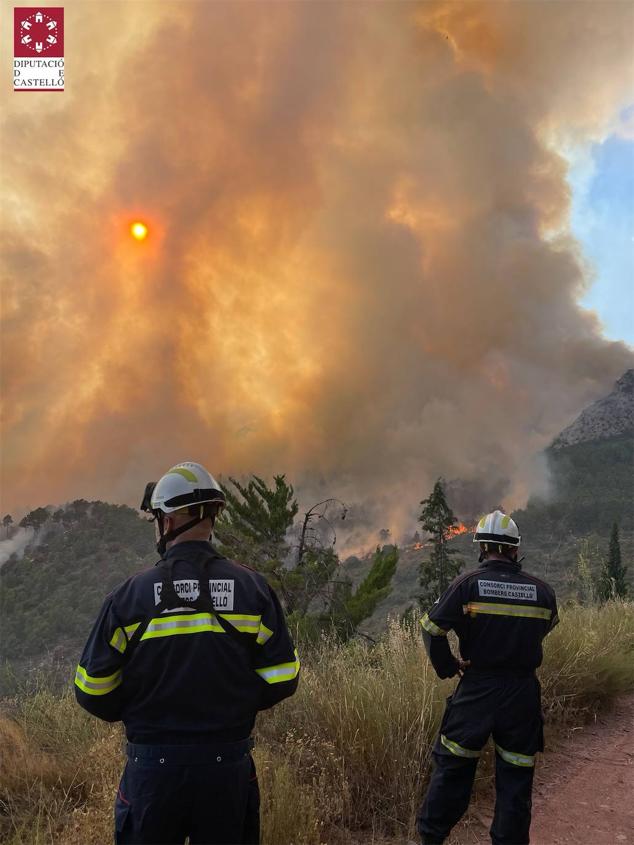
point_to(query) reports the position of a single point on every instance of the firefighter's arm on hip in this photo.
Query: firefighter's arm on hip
(436, 624)
(276, 660)
(100, 671)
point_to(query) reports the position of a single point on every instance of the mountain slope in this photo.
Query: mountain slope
(50, 597)
(611, 416)
(591, 468)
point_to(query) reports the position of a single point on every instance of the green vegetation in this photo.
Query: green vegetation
(50, 597)
(35, 519)
(352, 745)
(592, 487)
(612, 584)
(258, 522)
(254, 525)
(349, 608)
(435, 574)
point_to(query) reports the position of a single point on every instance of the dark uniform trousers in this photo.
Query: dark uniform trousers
(207, 792)
(508, 707)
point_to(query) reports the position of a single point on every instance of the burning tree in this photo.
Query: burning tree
(437, 518)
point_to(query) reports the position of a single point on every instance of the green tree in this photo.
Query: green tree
(255, 528)
(257, 519)
(435, 574)
(7, 522)
(612, 583)
(35, 519)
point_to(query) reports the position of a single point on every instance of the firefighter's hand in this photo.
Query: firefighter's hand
(462, 665)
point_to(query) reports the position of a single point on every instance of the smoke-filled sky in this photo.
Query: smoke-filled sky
(359, 271)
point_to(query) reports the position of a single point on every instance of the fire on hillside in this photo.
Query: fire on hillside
(455, 531)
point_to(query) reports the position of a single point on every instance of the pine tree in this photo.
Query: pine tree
(258, 516)
(7, 522)
(435, 574)
(254, 529)
(35, 519)
(612, 583)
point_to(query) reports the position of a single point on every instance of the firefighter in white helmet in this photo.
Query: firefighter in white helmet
(186, 654)
(500, 614)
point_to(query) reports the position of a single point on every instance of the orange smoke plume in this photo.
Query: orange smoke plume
(358, 270)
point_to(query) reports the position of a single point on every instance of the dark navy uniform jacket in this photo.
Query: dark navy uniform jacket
(192, 676)
(500, 613)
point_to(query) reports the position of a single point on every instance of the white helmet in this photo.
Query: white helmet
(184, 485)
(181, 487)
(497, 528)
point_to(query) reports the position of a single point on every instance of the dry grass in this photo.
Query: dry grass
(343, 759)
(588, 660)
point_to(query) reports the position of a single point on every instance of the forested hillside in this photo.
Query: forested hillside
(49, 597)
(73, 556)
(591, 488)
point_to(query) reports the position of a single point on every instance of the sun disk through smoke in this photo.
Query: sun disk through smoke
(139, 231)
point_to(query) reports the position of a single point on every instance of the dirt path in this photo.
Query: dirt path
(584, 790)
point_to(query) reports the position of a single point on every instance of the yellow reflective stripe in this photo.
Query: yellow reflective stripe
(95, 685)
(280, 672)
(120, 639)
(516, 759)
(494, 609)
(243, 622)
(195, 623)
(191, 623)
(264, 634)
(187, 474)
(456, 749)
(431, 627)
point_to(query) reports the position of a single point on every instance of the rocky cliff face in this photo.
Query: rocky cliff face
(608, 417)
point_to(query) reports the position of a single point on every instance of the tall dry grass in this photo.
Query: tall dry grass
(346, 754)
(588, 660)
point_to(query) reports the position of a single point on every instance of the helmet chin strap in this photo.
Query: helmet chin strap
(161, 546)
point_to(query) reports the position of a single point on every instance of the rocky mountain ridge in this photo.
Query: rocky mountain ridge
(611, 416)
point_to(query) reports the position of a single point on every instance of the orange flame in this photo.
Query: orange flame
(454, 531)
(458, 529)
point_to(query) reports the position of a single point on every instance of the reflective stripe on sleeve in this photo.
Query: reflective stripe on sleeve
(95, 685)
(122, 635)
(280, 672)
(493, 609)
(264, 634)
(431, 627)
(516, 759)
(456, 749)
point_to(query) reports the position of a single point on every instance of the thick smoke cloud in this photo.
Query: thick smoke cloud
(358, 269)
